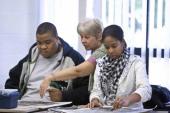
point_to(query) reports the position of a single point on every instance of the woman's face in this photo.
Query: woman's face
(90, 42)
(113, 46)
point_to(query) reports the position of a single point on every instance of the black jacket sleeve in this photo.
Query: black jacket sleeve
(14, 75)
(79, 93)
(79, 96)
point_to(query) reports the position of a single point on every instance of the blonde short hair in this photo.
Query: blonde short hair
(91, 27)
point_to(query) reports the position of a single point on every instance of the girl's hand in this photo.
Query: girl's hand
(121, 102)
(94, 103)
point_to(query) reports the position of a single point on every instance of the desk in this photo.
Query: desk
(73, 109)
(102, 112)
(87, 110)
(30, 106)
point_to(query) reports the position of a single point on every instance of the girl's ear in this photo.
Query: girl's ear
(58, 39)
(124, 44)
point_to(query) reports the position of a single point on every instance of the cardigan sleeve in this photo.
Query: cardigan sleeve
(143, 87)
(96, 91)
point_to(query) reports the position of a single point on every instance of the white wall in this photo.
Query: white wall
(18, 22)
(65, 14)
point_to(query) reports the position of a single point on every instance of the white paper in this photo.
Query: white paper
(34, 106)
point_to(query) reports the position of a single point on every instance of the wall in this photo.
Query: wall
(18, 22)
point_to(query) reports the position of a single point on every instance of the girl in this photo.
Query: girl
(120, 79)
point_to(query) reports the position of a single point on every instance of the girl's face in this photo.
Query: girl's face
(113, 46)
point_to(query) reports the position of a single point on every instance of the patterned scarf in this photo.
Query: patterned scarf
(110, 72)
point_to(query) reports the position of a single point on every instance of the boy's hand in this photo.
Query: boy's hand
(44, 85)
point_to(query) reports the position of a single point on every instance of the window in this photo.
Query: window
(145, 29)
(64, 14)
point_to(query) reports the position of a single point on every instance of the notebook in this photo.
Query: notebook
(30, 106)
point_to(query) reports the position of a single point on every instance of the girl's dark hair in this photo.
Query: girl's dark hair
(114, 31)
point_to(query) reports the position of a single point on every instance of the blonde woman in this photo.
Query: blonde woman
(90, 31)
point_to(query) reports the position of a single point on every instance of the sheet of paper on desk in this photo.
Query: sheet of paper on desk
(132, 110)
(65, 110)
(126, 109)
(42, 104)
(19, 109)
(106, 109)
(29, 106)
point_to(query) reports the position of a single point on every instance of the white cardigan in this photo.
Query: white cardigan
(133, 80)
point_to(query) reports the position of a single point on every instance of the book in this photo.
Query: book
(30, 106)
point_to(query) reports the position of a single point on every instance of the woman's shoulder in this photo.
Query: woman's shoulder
(100, 52)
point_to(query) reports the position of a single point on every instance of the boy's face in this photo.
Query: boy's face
(47, 44)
